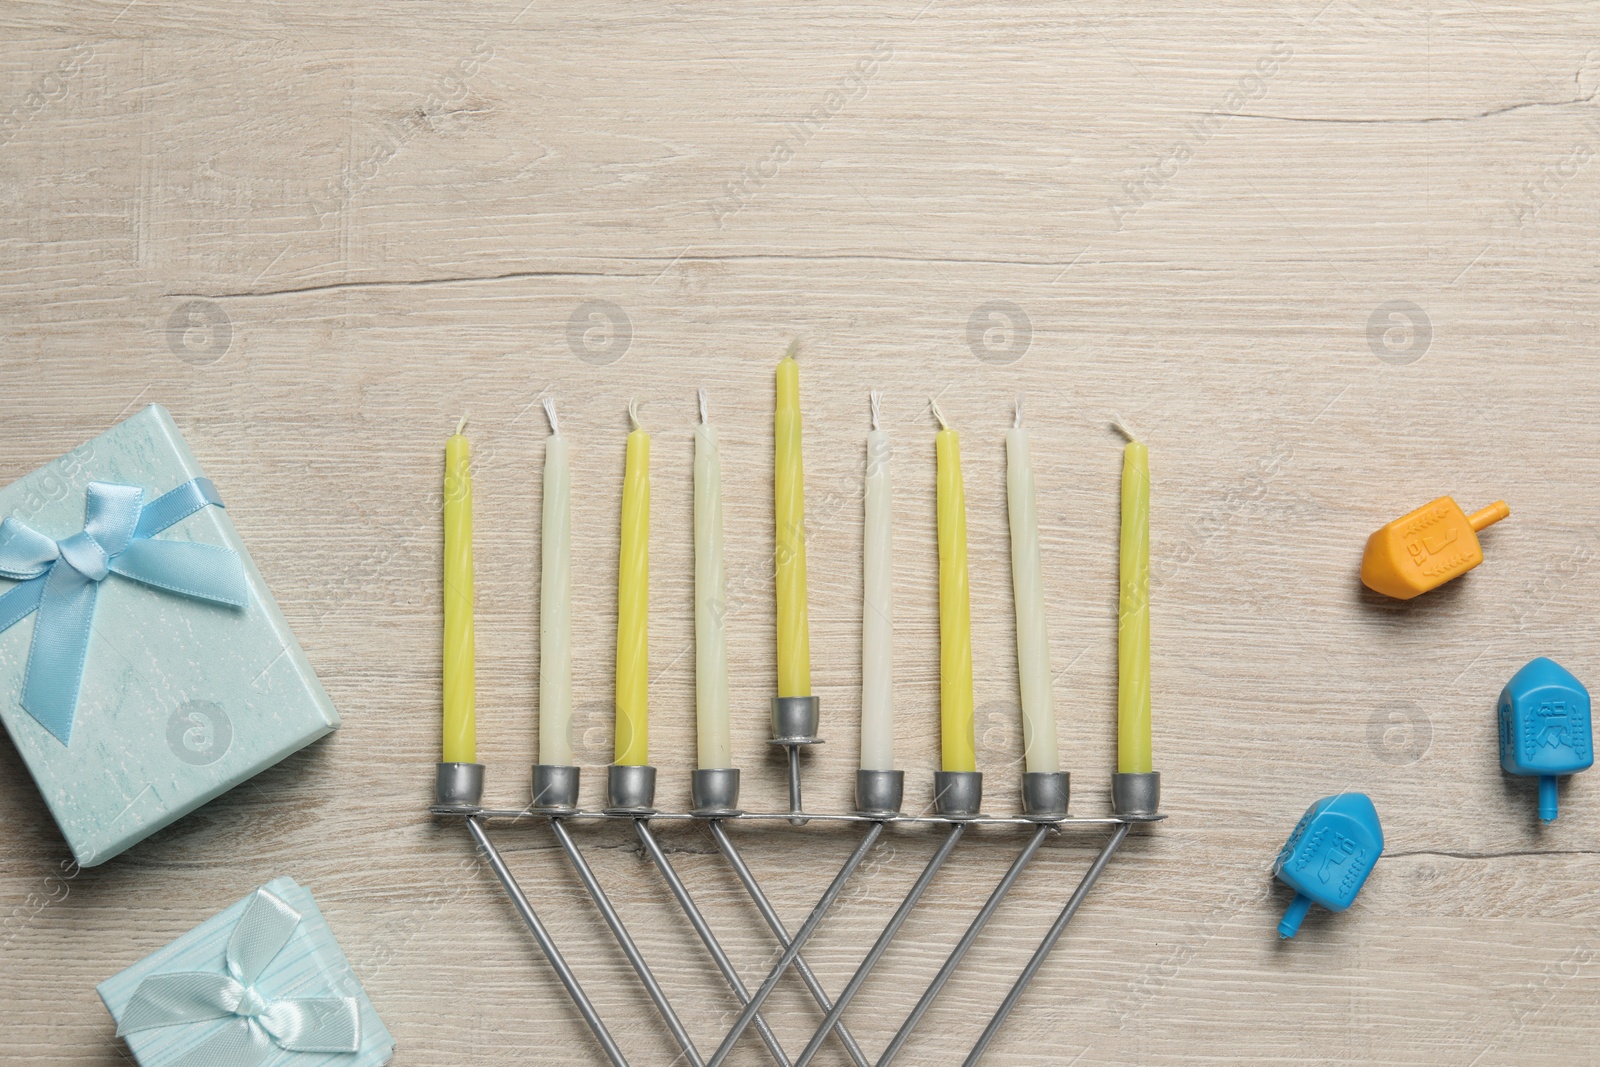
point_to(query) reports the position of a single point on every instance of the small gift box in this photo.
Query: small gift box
(144, 667)
(263, 984)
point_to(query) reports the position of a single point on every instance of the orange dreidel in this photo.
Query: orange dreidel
(1426, 548)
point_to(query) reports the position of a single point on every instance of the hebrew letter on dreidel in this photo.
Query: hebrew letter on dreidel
(1337, 855)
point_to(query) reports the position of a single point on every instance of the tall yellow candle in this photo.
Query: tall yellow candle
(958, 749)
(1133, 613)
(633, 603)
(789, 508)
(460, 720)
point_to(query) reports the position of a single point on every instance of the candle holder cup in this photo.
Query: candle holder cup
(714, 792)
(879, 793)
(958, 795)
(555, 788)
(1136, 796)
(459, 785)
(795, 720)
(1045, 795)
(630, 789)
(794, 725)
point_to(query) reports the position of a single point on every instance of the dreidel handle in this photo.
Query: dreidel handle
(1549, 798)
(1486, 517)
(1290, 924)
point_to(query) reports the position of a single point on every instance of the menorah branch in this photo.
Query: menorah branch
(546, 945)
(702, 928)
(1084, 885)
(629, 949)
(808, 928)
(956, 954)
(781, 932)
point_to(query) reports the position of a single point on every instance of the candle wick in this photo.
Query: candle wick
(794, 349)
(462, 425)
(1119, 425)
(943, 425)
(704, 417)
(633, 414)
(876, 399)
(550, 413)
(1016, 423)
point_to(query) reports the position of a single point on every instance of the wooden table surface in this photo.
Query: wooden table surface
(1330, 259)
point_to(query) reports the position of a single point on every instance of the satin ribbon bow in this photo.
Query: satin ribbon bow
(61, 580)
(257, 1024)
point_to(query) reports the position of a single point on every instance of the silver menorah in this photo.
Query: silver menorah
(630, 795)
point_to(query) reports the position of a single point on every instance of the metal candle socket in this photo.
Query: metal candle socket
(459, 785)
(714, 792)
(1136, 797)
(1045, 795)
(794, 720)
(794, 723)
(555, 788)
(878, 793)
(630, 790)
(958, 794)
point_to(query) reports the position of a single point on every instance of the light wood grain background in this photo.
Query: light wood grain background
(390, 214)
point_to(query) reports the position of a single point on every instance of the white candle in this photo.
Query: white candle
(1033, 644)
(710, 602)
(877, 603)
(555, 602)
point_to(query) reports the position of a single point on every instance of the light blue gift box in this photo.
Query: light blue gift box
(236, 990)
(181, 698)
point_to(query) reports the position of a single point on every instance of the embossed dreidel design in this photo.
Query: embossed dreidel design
(1328, 856)
(1424, 549)
(1544, 728)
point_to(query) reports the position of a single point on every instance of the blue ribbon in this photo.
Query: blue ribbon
(61, 580)
(258, 1024)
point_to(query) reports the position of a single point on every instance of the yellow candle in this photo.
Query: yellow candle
(958, 750)
(789, 507)
(633, 603)
(1133, 614)
(460, 721)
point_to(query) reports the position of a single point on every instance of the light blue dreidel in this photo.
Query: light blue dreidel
(1328, 856)
(1544, 728)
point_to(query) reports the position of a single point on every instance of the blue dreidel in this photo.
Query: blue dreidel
(1544, 728)
(1328, 856)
